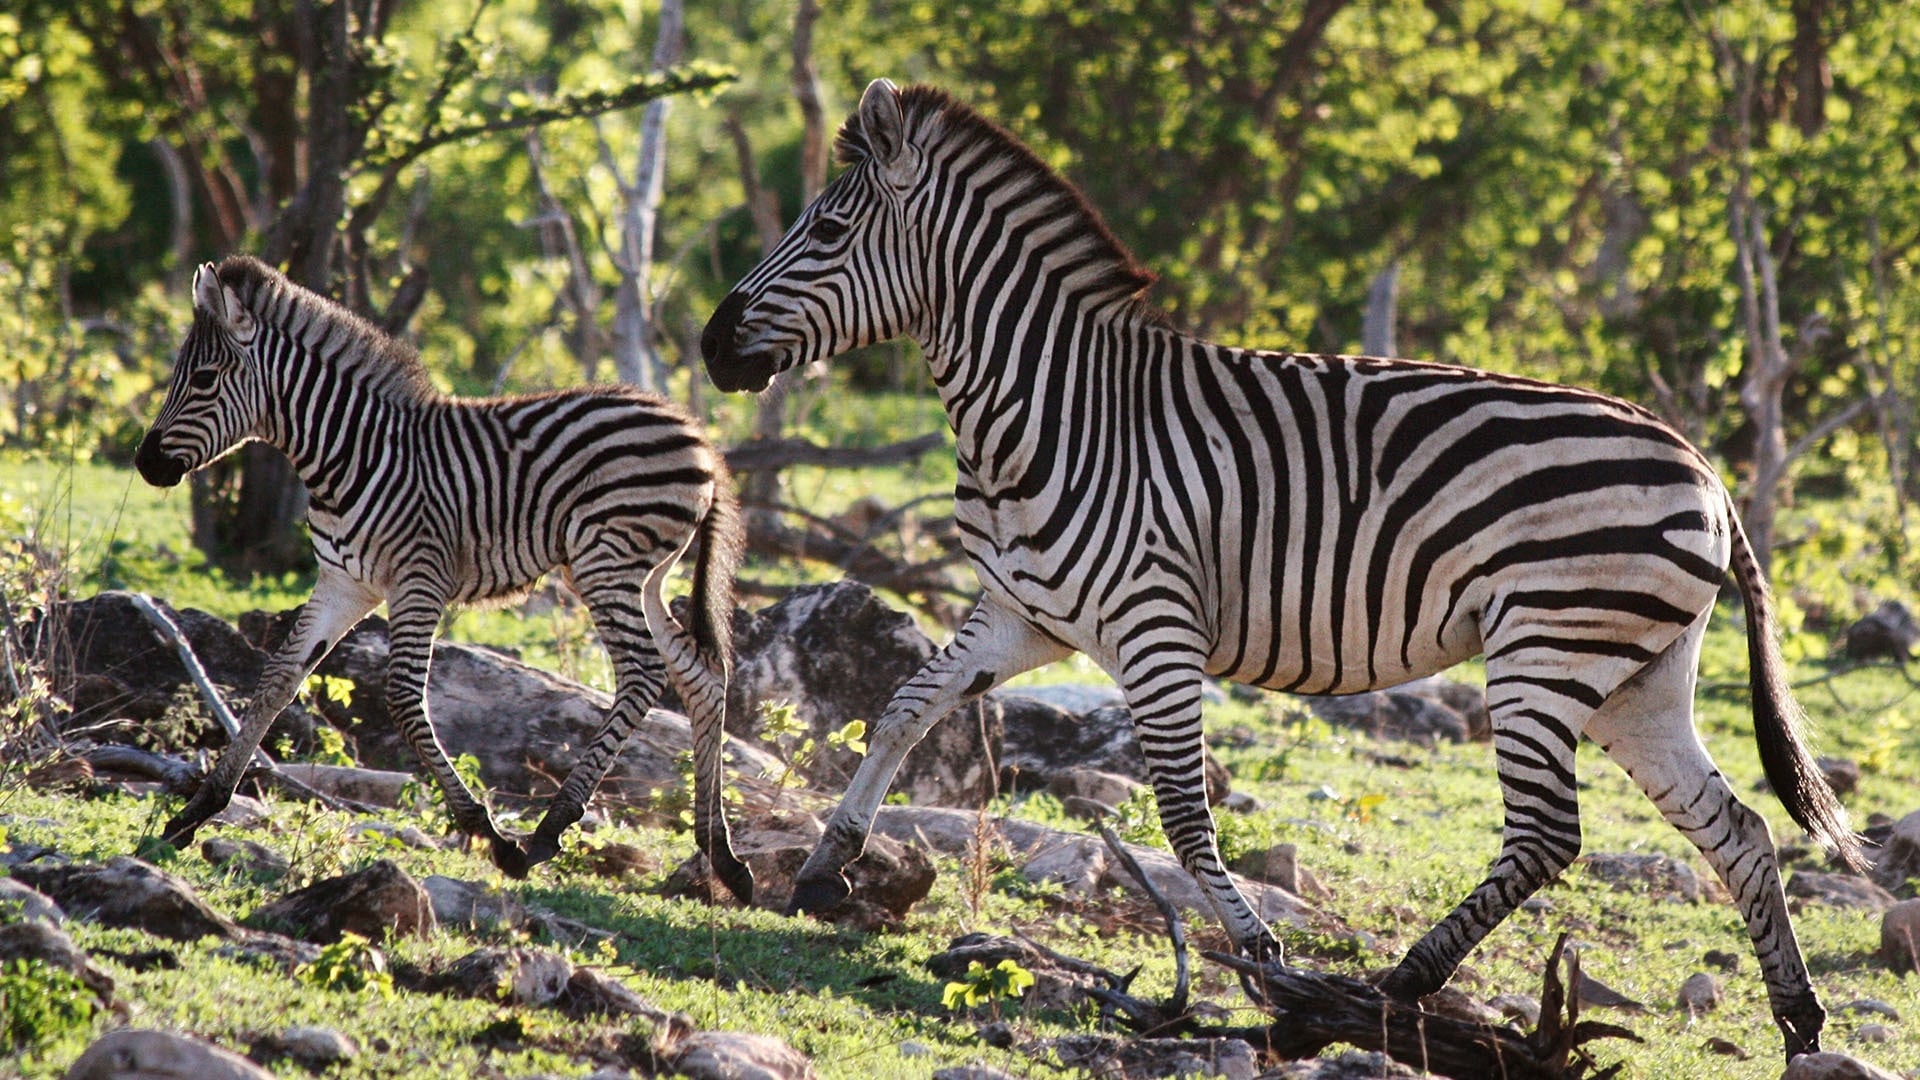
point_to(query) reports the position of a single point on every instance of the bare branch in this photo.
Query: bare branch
(771, 455)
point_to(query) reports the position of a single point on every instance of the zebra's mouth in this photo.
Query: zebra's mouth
(728, 366)
(157, 467)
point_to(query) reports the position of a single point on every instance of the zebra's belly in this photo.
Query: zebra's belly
(1347, 664)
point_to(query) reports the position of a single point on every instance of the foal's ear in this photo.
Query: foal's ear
(884, 126)
(218, 299)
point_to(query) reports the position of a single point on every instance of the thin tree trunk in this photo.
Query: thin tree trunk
(1377, 325)
(636, 352)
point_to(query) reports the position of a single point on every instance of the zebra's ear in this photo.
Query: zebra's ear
(883, 124)
(217, 299)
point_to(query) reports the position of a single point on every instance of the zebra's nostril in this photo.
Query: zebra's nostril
(718, 340)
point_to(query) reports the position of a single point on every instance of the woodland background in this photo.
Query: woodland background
(1708, 208)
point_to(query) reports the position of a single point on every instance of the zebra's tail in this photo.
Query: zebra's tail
(1780, 726)
(721, 541)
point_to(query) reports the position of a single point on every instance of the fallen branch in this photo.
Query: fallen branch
(263, 766)
(770, 455)
(1313, 1010)
(1173, 1015)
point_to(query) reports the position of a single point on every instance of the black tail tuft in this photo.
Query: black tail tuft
(1780, 726)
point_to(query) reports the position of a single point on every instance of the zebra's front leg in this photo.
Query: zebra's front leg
(337, 603)
(414, 612)
(1534, 756)
(1163, 694)
(994, 645)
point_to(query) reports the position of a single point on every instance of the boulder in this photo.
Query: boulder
(1900, 936)
(1044, 741)
(40, 940)
(1657, 875)
(248, 857)
(1107, 1055)
(525, 726)
(836, 653)
(30, 902)
(378, 901)
(738, 1055)
(1352, 1065)
(1699, 994)
(311, 1046)
(123, 891)
(471, 905)
(375, 787)
(512, 976)
(1424, 711)
(1839, 890)
(1833, 1066)
(138, 1054)
(1890, 632)
(1897, 860)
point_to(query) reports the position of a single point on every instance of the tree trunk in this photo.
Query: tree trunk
(636, 352)
(1377, 326)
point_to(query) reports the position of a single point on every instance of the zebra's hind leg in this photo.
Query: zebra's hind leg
(1534, 751)
(1647, 727)
(413, 613)
(995, 644)
(639, 675)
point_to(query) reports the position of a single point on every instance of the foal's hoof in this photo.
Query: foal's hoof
(539, 849)
(817, 896)
(509, 857)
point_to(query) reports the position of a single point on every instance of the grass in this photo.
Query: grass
(1397, 845)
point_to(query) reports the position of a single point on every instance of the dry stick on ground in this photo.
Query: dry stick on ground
(1146, 1017)
(1314, 1010)
(169, 634)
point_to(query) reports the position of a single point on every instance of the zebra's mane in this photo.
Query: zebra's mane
(934, 117)
(329, 332)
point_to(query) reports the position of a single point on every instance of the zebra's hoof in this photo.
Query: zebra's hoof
(817, 896)
(539, 849)
(510, 858)
(736, 877)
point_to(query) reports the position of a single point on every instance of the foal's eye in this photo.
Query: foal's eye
(203, 379)
(825, 230)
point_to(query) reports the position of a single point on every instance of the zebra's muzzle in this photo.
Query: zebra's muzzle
(156, 466)
(720, 347)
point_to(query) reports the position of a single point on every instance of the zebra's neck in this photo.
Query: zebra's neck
(334, 424)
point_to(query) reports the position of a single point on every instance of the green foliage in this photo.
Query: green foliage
(782, 728)
(350, 965)
(983, 985)
(40, 1003)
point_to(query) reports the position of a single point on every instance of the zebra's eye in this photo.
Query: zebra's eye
(203, 379)
(825, 230)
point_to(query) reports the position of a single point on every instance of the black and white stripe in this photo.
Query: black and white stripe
(1323, 524)
(424, 500)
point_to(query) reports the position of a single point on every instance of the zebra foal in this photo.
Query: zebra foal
(1175, 508)
(424, 500)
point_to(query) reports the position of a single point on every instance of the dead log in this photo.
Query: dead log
(1313, 1010)
(772, 455)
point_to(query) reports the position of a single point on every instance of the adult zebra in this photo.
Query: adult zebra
(1323, 524)
(424, 500)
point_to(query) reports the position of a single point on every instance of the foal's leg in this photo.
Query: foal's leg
(338, 602)
(994, 645)
(413, 614)
(1648, 728)
(607, 586)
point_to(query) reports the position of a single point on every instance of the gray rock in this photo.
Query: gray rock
(739, 1055)
(1843, 774)
(472, 905)
(243, 812)
(1352, 1065)
(1424, 711)
(123, 891)
(244, 856)
(1839, 890)
(1873, 1033)
(515, 976)
(138, 1054)
(1657, 875)
(1522, 1007)
(314, 1047)
(1089, 793)
(374, 903)
(1833, 1066)
(591, 992)
(1056, 984)
(972, 1071)
(1898, 859)
(1699, 994)
(1105, 1055)
(837, 654)
(1074, 699)
(42, 941)
(1873, 1006)
(1900, 936)
(1043, 741)
(376, 787)
(1077, 863)
(32, 903)
(1890, 632)
(1280, 865)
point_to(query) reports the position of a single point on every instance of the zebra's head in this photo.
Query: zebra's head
(843, 276)
(207, 411)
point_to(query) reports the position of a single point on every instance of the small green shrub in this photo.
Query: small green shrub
(40, 1003)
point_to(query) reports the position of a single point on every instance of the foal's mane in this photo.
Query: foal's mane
(329, 332)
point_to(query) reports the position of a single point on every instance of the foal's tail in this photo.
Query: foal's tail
(1779, 725)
